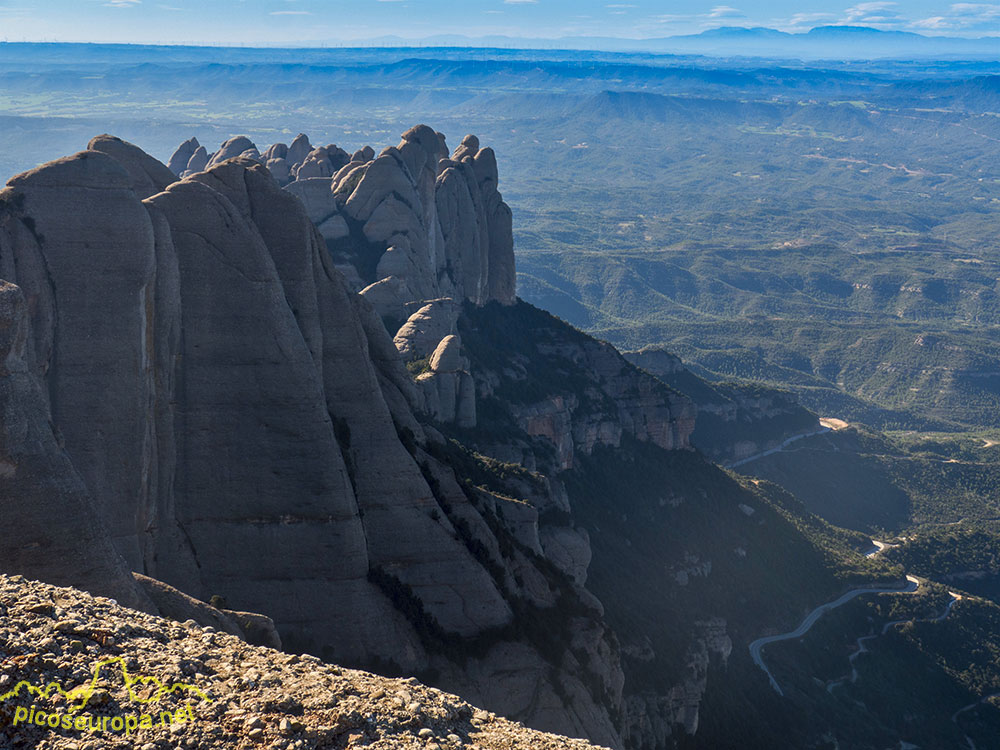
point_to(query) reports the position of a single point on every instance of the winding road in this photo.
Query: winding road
(757, 647)
(862, 649)
(777, 449)
(963, 709)
(877, 547)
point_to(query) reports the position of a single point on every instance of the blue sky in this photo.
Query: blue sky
(332, 21)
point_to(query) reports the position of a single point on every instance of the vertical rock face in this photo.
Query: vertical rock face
(236, 420)
(477, 224)
(390, 489)
(251, 396)
(498, 223)
(243, 425)
(199, 160)
(407, 227)
(431, 228)
(87, 267)
(435, 224)
(605, 400)
(51, 528)
(734, 421)
(235, 146)
(441, 226)
(178, 163)
(225, 267)
(449, 390)
(147, 175)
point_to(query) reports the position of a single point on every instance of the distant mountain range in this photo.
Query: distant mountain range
(847, 42)
(829, 43)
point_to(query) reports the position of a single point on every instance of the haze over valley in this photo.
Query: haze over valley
(661, 412)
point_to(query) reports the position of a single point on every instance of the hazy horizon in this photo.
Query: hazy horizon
(641, 389)
(303, 22)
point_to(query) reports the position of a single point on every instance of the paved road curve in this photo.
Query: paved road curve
(863, 649)
(959, 712)
(757, 646)
(778, 449)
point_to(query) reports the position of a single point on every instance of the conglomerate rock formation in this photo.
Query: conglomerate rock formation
(408, 226)
(195, 390)
(315, 397)
(734, 421)
(414, 218)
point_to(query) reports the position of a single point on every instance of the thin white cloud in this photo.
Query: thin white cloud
(701, 20)
(865, 9)
(520, 2)
(289, 13)
(976, 10)
(878, 15)
(934, 22)
(964, 17)
(122, 3)
(801, 20)
(726, 11)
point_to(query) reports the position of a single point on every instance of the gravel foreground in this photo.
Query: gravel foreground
(172, 686)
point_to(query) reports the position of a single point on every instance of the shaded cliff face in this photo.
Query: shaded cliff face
(560, 384)
(426, 477)
(51, 528)
(80, 245)
(688, 563)
(244, 426)
(415, 230)
(735, 420)
(412, 223)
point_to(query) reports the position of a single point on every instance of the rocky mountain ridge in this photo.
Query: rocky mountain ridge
(259, 422)
(734, 420)
(414, 222)
(401, 465)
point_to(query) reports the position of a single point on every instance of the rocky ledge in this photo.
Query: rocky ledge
(90, 658)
